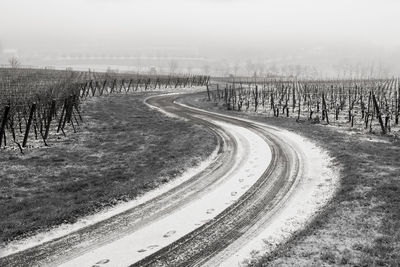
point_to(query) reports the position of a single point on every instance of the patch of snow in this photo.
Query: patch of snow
(170, 115)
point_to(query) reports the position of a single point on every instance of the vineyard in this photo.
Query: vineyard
(43, 102)
(366, 104)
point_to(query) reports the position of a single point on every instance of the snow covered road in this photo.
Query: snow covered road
(263, 184)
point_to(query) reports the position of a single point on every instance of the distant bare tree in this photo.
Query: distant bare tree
(173, 66)
(14, 62)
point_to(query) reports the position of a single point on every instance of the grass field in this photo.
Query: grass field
(122, 150)
(360, 226)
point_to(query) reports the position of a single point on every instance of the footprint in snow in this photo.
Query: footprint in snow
(141, 250)
(241, 180)
(152, 246)
(210, 211)
(233, 193)
(101, 262)
(168, 234)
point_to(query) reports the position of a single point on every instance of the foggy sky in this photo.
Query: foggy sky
(228, 29)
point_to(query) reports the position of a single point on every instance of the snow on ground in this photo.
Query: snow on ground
(252, 159)
(309, 196)
(311, 193)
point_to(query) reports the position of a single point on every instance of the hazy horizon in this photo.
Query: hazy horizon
(221, 34)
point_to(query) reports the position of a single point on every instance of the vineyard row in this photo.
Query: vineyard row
(362, 103)
(46, 101)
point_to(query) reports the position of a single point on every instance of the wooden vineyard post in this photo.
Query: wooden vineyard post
(397, 106)
(51, 114)
(324, 109)
(208, 92)
(39, 123)
(96, 84)
(256, 98)
(113, 86)
(102, 88)
(234, 97)
(293, 97)
(226, 95)
(378, 114)
(69, 110)
(83, 90)
(89, 88)
(272, 103)
(3, 123)
(368, 110)
(299, 111)
(28, 125)
(62, 115)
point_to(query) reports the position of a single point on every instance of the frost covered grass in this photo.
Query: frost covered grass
(121, 151)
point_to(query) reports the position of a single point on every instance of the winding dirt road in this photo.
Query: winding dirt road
(202, 221)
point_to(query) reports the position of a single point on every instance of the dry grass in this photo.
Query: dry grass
(123, 150)
(360, 226)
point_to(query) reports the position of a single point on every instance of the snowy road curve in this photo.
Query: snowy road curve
(264, 183)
